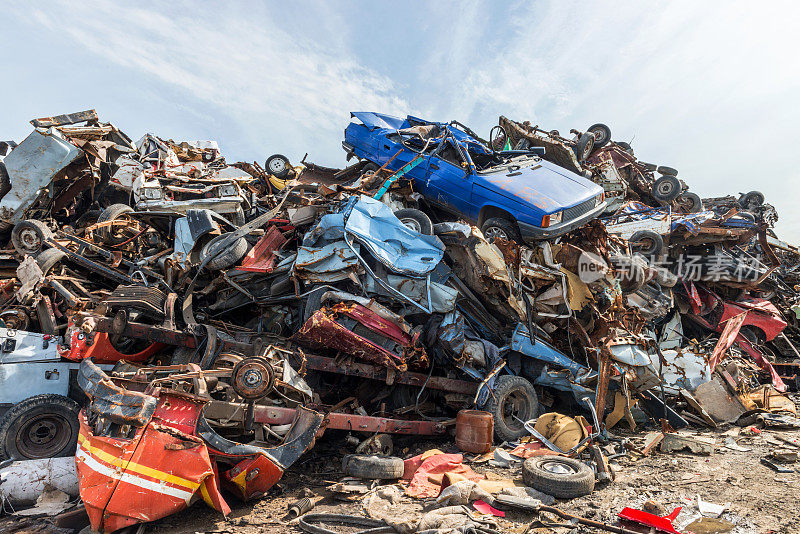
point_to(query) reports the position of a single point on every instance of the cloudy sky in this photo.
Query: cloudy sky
(709, 88)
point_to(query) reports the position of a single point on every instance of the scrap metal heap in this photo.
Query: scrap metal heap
(200, 322)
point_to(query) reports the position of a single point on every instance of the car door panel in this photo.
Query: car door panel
(449, 185)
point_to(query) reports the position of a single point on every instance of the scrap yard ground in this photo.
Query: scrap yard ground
(761, 500)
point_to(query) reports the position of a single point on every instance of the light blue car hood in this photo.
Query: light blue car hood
(392, 243)
(545, 185)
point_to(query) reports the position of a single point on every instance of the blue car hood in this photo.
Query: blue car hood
(545, 185)
(379, 120)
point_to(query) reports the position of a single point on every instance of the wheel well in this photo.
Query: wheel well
(487, 212)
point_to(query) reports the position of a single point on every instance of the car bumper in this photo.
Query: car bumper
(531, 233)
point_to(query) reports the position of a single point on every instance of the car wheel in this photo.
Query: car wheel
(42, 426)
(690, 202)
(647, 243)
(28, 237)
(625, 146)
(751, 200)
(372, 467)
(222, 259)
(47, 259)
(666, 171)
(563, 478)
(415, 220)
(584, 147)
(666, 188)
(513, 398)
(502, 228)
(278, 166)
(108, 234)
(602, 134)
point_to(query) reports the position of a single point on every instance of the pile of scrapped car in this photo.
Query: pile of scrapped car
(183, 326)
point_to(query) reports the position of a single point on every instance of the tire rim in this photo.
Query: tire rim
(599, 136)
(495, 231)
(558, 468)
(30, 239)
(412, 224)
(665, 188)
(43, 436)
(277, 165)
(516, 405)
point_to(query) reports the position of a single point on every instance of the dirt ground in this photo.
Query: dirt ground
(761, 500)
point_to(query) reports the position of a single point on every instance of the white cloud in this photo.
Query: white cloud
(704, 87)
(276, 82)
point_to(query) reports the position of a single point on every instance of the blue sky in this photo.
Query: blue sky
(709, 88)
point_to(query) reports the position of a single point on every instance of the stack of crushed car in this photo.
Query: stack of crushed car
(185, 327)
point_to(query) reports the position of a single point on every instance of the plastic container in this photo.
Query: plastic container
(474, 431)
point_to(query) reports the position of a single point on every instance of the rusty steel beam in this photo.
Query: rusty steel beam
(275, 415)
(365, 370)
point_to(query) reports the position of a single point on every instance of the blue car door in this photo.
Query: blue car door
(389, 146)
(448, 183)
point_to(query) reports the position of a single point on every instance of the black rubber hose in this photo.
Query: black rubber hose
(374, 526)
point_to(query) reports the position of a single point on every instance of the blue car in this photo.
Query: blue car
(510, 194)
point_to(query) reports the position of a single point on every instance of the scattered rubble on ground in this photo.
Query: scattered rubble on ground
(562, 324)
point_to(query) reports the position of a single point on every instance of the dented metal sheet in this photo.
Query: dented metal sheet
(31, 166)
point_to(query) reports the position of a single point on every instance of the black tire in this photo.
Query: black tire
(313, 303)
(647, 243)
(373, 467)
(501, 227)
(513, 396)
(602, 134)
(42, 426)
(47, 259)
(751, 200)
(666, 188)
(28, 236)
(666, 171)
(222, 259)
(584, 147)
(563, 478)
(690, 202)
(416, 220)
(368, 168)
(651, 167)
(625, 146)
(278, 166)
(112, 213)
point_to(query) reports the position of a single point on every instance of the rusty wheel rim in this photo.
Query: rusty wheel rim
(43, 436)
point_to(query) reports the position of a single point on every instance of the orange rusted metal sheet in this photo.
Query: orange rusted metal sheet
(124, 482)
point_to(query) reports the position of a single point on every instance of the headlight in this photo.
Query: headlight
(555, 218)
(228, 190)
(152, 193)
(599, 199)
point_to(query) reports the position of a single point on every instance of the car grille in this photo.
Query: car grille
(574, 212)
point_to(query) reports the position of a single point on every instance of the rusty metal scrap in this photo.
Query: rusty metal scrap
(215, 318)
